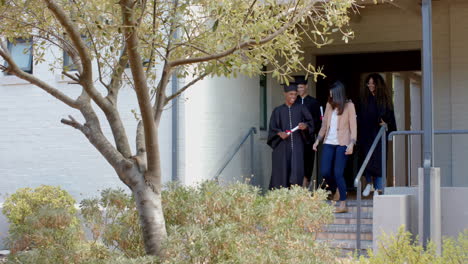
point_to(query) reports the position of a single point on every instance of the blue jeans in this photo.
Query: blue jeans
(377, 181)
(332, 166)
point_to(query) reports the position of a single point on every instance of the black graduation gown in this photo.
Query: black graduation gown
(309, 154)
(288, 154)
(369, 125)
(314, 108)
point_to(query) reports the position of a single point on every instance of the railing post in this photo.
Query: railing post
(409, 159)
(384, 159)
(252, 163)
(393, 162)
(358, 220)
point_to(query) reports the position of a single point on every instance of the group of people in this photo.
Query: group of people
(299, 125)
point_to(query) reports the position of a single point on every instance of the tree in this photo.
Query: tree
(192, 38)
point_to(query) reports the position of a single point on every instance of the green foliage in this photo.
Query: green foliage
(215, 224)
(114, 220)
(27, 201)
(235, 224)
(39, 216)
(44, 228)
(206, 224)
(401, 248)
(82, 253)
(272, 32)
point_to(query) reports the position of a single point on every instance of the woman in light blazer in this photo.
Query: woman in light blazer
(339, 133)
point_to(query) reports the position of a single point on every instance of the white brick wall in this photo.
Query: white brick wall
(35, 148)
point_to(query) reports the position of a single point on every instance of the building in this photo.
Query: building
(215, 115)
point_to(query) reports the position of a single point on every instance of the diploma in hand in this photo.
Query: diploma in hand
(289, 132)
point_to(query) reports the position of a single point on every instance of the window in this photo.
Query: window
(68, 64)
(263, 100)
(21, 52)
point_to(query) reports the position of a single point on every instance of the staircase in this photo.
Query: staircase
(341, 234)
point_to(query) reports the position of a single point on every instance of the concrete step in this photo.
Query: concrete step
(350, 203)
(349, 244)
(345, 232)
(353, 215)
(347, 228)
(343, 236)
(351, 221)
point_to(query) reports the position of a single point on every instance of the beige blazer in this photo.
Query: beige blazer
(347, 127)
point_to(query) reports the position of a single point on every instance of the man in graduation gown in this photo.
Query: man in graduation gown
(288, 150)
(314, 108)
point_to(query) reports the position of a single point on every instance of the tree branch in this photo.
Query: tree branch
(74, 78)
(181, 90)
(86, 77)
(116, 78)
(14, 69)
(153, 174)
(151, 58)
(140, 139)
(73, 123)
(242, 45)
(93, 131)
(86, 80)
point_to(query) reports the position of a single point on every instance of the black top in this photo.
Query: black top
(369, 118)
(314, 108)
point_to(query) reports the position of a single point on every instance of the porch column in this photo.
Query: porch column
(428, 126)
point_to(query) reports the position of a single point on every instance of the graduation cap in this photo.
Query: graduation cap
(290, 87)
(300, 79)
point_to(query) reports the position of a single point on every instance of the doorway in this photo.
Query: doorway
(398, 69)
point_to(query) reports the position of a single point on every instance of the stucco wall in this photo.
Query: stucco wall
(217, 113)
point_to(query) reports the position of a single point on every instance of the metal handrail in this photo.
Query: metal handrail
(357, 181)
(250, 134)
(420, 132)
(411, 133)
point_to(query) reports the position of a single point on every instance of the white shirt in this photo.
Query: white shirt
(332, 137)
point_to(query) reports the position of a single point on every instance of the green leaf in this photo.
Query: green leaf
(215, 25)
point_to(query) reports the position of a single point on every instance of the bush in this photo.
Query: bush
(206, 224)
(82, 253)
(235, 224)
(113, 219)
(400, 248)
(39, 217)
(215, 224)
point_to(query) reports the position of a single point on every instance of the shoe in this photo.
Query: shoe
(376, 193)
(336, 197)
(342, 208)
(367, 190)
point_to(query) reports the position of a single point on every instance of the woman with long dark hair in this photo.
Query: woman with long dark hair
(339, 131)
(375, 110)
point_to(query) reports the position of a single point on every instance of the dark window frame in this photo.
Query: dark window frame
(10, 45)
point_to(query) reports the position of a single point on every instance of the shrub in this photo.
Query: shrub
(235, 224)
(83, 253)
(401, 248)
(39, 217)
(206, 224)
(114, 219)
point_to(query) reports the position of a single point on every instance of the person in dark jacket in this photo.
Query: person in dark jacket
(375, 110)
(314, 108)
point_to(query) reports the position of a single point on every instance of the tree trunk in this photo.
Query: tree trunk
(149, 206)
